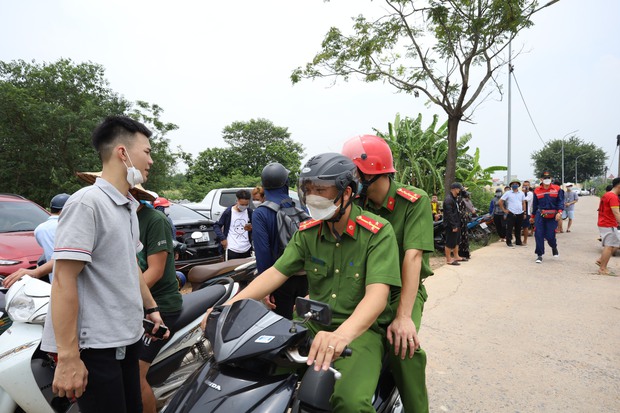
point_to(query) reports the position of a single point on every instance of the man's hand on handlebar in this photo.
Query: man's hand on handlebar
(326, 347)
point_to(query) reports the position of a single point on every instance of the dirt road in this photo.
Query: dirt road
(503, 333)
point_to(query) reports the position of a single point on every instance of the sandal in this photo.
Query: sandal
(453, 263)
(607, 272)
(568, 230)
(597, 262)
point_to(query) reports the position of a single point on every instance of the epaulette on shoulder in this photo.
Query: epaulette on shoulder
(408, 195)
(370, 224)
(309, 224)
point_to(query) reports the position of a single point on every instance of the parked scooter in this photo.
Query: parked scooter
(28, 372)
(256, 354)
(241, 270)
(479, 231)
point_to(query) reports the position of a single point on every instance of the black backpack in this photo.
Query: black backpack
(288, 220)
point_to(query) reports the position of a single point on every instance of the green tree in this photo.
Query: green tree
(252, 145)
(164, 159)
(47, 114)
(452, 71)
(590, 165)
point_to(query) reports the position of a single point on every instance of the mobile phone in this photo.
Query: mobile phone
(149, 326)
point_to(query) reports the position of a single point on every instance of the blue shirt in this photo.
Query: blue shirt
(45, 234)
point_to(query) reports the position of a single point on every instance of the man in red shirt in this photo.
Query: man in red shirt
(608, 221)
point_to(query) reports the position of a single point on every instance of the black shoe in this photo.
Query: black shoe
(556, 254)
(539, 259)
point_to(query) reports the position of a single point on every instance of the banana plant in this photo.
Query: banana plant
(420, 155)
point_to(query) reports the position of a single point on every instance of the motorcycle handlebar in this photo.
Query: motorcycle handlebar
(347, 352)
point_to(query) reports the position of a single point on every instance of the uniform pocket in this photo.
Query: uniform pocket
(316, 273)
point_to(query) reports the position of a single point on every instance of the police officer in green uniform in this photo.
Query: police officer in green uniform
(408, 209)
(351, 260)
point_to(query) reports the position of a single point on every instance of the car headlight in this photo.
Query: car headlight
(27, 300)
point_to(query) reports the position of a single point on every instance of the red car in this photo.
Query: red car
(18, 246)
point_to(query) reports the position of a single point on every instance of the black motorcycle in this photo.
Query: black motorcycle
(256, 355)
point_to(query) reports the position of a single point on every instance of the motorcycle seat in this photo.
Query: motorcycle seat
(201, 273)
(196, 304)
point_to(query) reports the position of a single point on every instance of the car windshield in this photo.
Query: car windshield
(20, 216)
(180, 213)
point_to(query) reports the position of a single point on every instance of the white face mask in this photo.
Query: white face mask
(320, 208)
(242, 207)
(134, 176)
(257, 203)
(546, 181)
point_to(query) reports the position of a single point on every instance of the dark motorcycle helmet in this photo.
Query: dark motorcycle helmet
(58, 202)
(274, 176)
(329, 169)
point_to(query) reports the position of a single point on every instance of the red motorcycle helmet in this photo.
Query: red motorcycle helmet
(371, 154)
(161, 202)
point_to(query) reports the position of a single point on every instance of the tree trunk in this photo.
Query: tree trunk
(453, 126)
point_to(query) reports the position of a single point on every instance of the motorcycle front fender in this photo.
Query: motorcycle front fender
(214, 388)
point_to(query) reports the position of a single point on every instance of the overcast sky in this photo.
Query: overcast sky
(209, 64)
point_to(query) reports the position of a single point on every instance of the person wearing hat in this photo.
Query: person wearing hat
(44, 233)
(513, 205)
(452, 222)
(547, 209)
(570, 199)
(99, 296)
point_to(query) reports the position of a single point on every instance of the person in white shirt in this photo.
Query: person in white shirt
(513, 205)
(234, 227)
(528, 191)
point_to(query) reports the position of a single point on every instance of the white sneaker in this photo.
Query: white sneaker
(539, 259)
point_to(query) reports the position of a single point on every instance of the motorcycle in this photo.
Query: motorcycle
(28, 372)
(479, 231)
(256, 354)
(241, 270)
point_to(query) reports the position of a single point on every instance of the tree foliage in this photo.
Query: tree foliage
(252, 145)
(420, 155)
(447, 50)
(47, 114)
(590, 165)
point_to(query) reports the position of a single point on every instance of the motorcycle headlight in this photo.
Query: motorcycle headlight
(27, 300)
(21, 307)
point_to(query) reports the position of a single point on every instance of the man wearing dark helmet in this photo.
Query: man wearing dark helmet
(351, 259)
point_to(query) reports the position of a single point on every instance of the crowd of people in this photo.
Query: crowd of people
(362, 247)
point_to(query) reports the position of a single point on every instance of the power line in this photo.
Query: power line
(527, 109)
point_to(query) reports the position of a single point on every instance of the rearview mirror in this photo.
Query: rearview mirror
(314, 310)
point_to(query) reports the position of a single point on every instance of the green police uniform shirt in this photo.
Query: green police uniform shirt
(339, 271)
(408, 209)
(156, 236)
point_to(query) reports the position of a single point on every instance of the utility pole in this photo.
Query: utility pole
(618, 144)
(510, 68)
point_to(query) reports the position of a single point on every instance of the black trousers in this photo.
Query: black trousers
(113, 385)
(284, 297)
(513, 223)
(232, 254)
(499, 222)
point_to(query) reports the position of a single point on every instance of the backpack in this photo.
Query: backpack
(288, 220)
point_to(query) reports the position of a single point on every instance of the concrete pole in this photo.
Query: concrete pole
(509, 171)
